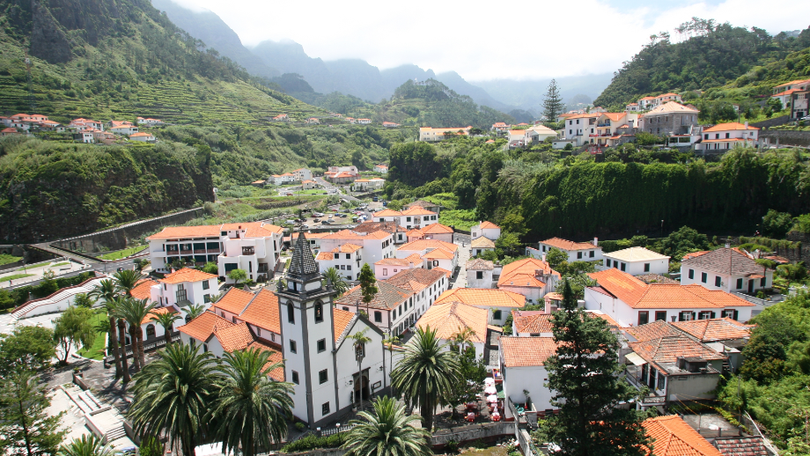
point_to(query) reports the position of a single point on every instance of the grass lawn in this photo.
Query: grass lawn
(59, 264)
(122, 253)
(5, 258)
(97, 350)
(463, 219)
(16, 276)
(313, 191)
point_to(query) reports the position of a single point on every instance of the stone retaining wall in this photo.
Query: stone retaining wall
(785, 138)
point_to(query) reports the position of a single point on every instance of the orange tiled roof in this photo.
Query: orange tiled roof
(387, 213)
(187, 275)
(654, 330)
(353, 235)
(640, 295)
(263, 311)
(452, 317)
(715, 329)
(143, 289)
(424, 244)
(347, 248)
(673, 437)
(155, 312)
(614, 116)
(202, 327)
(669, 349)
(437, 228)
(531, 321)
(325, 256)
(564, 244)
(234, 301)
(522, 273)
(340, 321)
(415, 259)
(447, 273)
(797, 81)
(730, 126)
(694, 255)
(236, 337)
(483, 297)
(671, 107)
(276, 374)
(485, 225)
(416, 279)
(526, 351)
(388, 297)
(439, 254)
(175, 232)
(417, 210)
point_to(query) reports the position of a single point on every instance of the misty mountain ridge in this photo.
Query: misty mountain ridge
(356, 77)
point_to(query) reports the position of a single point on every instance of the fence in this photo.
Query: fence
(752, 425)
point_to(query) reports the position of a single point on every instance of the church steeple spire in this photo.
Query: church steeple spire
(302, 265)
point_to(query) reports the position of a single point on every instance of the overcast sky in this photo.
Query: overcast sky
(484, 40)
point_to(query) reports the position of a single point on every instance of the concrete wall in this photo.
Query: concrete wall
(785, 138)
(772, 122)
(118, 238)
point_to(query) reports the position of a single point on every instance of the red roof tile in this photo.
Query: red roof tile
(673, 437)
(526, 351)
(187, 275)
(263, 311)
(234, 301)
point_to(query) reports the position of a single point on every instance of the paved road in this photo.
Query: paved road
(329, 185)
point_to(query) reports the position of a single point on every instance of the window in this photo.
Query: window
(591, 254)
(345, 308)
(206, 298)
(479, 275)
(150, 331)
(325, 409)
(661, 315)
(318, 313)
(385, 271)
(295, 377)
(496, 314)
(323, 376)
(293, 347)
(348, 256)
(727, 135)
(705, 315)
(206, 285)
(692, 274)
(377, 316)
(322, 345)
(643, 317)
(729, 313)
(661, 382)
(646, 267)
(205, 348)
(763, 281)
(704, 277)
(623, 266)
(717, 281)
(739, 283)
(579, 255)
(685, 316)
(290, 313)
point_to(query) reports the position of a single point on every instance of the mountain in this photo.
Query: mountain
(714, 56)
(529, 94)
(215, 33)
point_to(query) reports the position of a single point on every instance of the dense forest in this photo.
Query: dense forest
(49, 189)
(712, 55)
(633, 190)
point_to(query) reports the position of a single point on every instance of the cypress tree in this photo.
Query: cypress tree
(584, 376)
(552, 103)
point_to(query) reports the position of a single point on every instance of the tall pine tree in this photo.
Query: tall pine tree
(584, 375)
(552, 103)
(25, 427)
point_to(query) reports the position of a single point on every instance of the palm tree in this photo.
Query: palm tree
(126, 280)
(106, 290)
(84, 300)
(360, 340)
(86, 445)
(173, 395)
(194, 310)
(251, 408)
(333, 276)
(134, 312)
(388, 432)
(115, 309)
(166, 320)
(463, 339)
(426, 374)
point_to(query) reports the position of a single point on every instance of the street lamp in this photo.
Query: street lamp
(337, 428)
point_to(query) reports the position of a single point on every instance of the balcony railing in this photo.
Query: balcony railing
(248, 251)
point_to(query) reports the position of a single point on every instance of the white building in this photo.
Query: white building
(480, 245)
(181, 288)
(414, 217)
(580, 127)
(251, 246)
(727, 136)
(362, 185)
(480, 273)
(576, 251)
(401, 299)
(389, 267)
(143, 137)
(629, 301)
(381, 168)
(486, 229)
(302, 174)
(438, 232)
(522, 365)
(346, 259)
(434, 254)
(637, 261)
(725, 269)
(529, 277)
(281, 179)
(377, 245)
(438, 134)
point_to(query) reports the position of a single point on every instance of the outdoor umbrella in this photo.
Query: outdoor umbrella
(490, 390)
(492, 398)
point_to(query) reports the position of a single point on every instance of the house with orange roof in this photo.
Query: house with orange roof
(576, 251)
(182, 288)
(381, 168)
(637, 261)
(376, 245)
(725, 136)
(426, 205)
(579, 127)
(499, 127)
(537, 134)
(390, 125)
(281, 118)
(281, 179)
(259, 310)
(307, 184)
(670, 119)
(364, 185)
(121, 127)
(516, 138)
(438, 134)
(85, 136)
(9, 131)
(667, 97)
(632, 107)
(313, 121)
(434, 253)
(609, 124)
(487, 229)
(630, 301)
(529, 277)
(143, 137)
(149, 122)
(480, 245)
(346, 259)
(388, 267)
(412, 217)
(438, 232)
(450, 318)
(671, 436)
(363, 121)
(785, 92)
(499, 303)
(730, 270)
(672, 364)
(302, 174)
(152, 330)
(252, 246)
(522, 365)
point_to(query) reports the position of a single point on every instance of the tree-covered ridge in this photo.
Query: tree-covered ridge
(49, 189)
(123, 59)
(712, 55)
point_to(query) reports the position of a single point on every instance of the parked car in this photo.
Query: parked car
(316, 220)
(317, 214)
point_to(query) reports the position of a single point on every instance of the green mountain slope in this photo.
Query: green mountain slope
(716, 55)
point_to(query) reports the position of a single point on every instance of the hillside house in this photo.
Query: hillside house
(150, 122)
(784, 92)
(480, 273)
(800, 104)
(632, 107)
(499, 303)
(413, 217)
(426, 205)
(516, 138)
(529, 277)
(142, 136)
(637, 261)
(579, 127)
(388, 267)
(576, 251)
(608, 125)
(281, 118)
(725, 269)
(381, 168)
(345, 259)
(438, 134)
(363, 121)
(486, 229)
(9, 131)
(365, 185)
(282, 179)
(499, 127)
(302, 174)
(376, 244)
(669, 119)
(629, 301)
(390, 125)
(674, 437)
(308, 184)
(183, 287)
(522, 366)
(313, 121)
(538, 134)
(480, 245)
(434, 254)
(725, 136)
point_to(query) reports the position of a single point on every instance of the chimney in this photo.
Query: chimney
(596, 241)
(544, 257)
(746, 125)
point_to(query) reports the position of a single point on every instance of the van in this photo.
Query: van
(375, 199)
